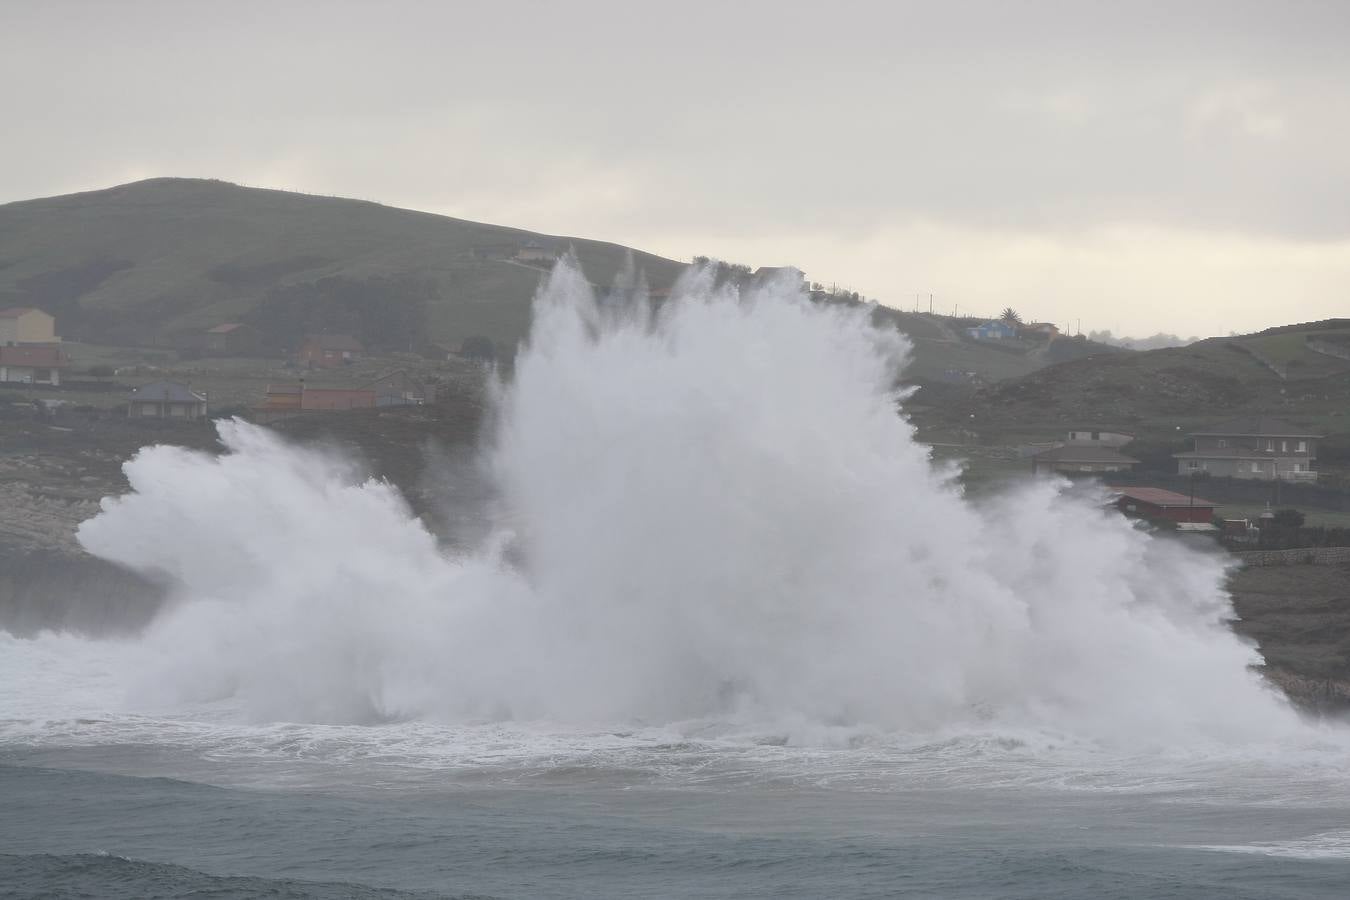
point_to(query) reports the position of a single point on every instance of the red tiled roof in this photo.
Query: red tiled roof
(1160, 497)
(42, 357)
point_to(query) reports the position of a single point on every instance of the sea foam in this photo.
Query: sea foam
(709, 511)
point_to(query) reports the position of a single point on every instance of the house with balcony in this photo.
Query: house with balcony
(1254, 447)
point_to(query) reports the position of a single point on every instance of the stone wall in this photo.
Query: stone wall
(1320, 556)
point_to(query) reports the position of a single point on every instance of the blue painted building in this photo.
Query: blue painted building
(992, 331)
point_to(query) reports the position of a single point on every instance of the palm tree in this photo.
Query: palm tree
(1010, 316)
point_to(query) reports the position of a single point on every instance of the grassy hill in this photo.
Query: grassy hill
(1161, 395)
(944, 353)
(157, 262)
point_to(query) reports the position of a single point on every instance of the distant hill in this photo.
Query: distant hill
(1161, 394)
(944, 353)
(163, 259)
(158, 262)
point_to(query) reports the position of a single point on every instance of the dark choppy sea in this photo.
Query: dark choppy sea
(960, 819)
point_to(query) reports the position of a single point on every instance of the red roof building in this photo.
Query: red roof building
(32, 364)
(1158, 504)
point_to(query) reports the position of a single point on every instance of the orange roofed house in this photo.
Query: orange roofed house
(328, 351)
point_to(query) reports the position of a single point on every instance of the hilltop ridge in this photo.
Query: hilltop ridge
(158, 262)
(157, 259)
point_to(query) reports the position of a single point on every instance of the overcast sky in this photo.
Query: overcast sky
(1182, 167)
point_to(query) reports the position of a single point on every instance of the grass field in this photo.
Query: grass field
(1290, 350)
(226, 381)
(1313, 516)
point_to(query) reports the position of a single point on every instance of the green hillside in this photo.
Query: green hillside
(159, 260)
(1160, 394)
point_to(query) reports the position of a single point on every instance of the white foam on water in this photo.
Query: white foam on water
(714, 528)
(1325, 845)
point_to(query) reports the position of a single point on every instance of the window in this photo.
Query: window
(1270, 445)
(1298, 467)
(147, 409)
(1302, 446)
(1223, 442)
(1284, 446)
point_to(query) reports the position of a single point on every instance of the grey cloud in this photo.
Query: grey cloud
(749, 117)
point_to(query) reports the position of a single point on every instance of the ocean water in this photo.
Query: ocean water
(298, 817)
(716, 626)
